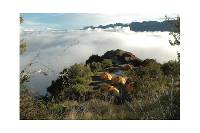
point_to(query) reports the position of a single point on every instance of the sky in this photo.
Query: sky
(70, 21)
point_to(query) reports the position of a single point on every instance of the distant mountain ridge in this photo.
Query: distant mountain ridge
(166, 25)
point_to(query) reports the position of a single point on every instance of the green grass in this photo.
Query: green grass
(160, 105)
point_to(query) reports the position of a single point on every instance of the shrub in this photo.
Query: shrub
(82, 80)
(79, 70)
(71, 80)
(34, 107)
(99, 66)
(78, 88)
(94, 58)
(106, 63)
(96, 66)
(131, 74)
(31, 107)
(149, 67)
(171, 68)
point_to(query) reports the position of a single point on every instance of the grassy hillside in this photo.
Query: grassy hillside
(150, 90)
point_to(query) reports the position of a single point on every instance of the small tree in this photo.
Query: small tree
(23, 44)
(176, 33)
(175, 23)
(21, 19)
(71, 81)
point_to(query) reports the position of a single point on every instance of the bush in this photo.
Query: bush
(78, 70)
(78, 88)
(72, 80)
(31, 107)
(82, 80)
(149, 67)
(106, 63)
(96, 66)
(171, 68)
(34, 107)
(99, 66)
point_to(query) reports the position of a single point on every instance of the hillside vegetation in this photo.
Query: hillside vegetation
(116, 85)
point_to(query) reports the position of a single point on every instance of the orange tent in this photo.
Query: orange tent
(106, 76)
(110, 88)
(119, 80)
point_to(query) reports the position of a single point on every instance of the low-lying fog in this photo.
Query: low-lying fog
(57, 50)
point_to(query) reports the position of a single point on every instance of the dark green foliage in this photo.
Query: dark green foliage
(78, 88)
(21, 19)
(73, 80)
(82, 80)
(96, 66)
(150, 63)
(149, 67)
(171, 68)
(94, 58)
(106, 63)
(178, 56)
(100, 66)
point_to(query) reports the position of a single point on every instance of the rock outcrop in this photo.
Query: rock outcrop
(119, 57)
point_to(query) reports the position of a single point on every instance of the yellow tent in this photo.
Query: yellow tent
(106, 76)
(119, 80)
(110, 88)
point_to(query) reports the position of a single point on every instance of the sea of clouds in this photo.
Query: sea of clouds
(60, 49)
